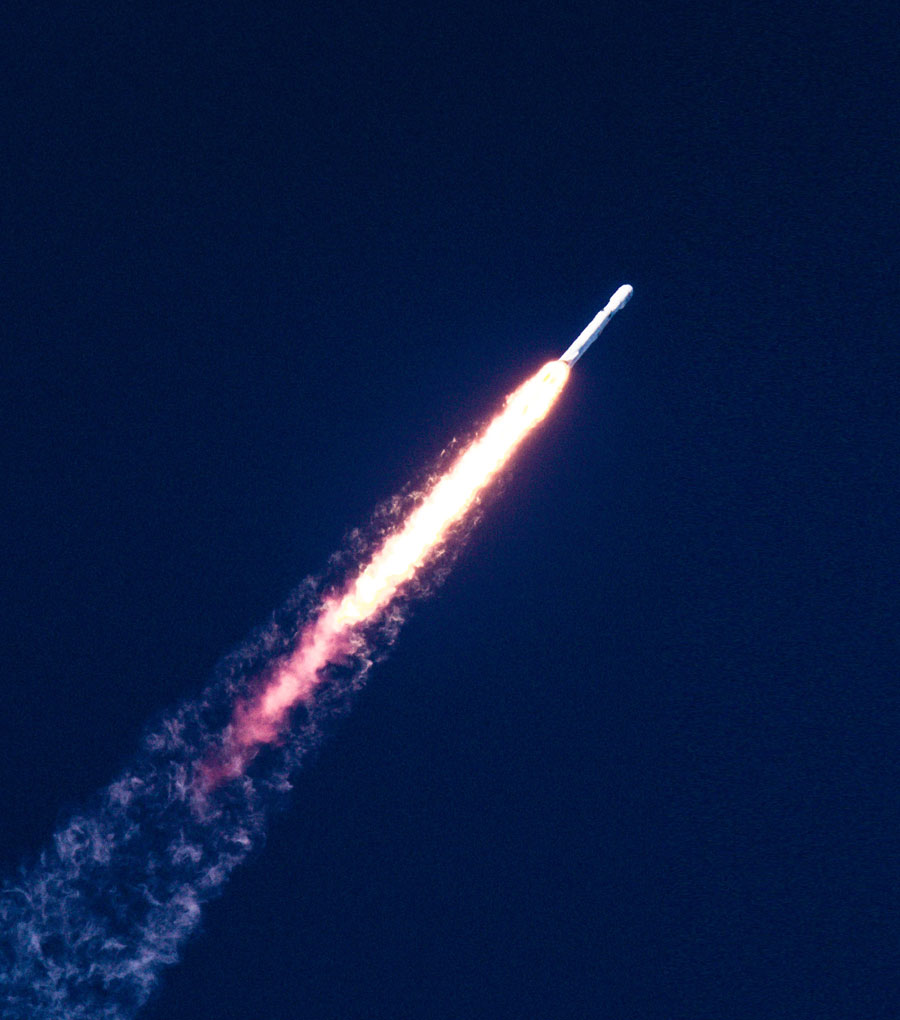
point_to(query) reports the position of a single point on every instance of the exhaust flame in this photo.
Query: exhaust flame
(392, 565)
(86, 930)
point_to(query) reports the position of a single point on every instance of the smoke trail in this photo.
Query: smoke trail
(86, 930)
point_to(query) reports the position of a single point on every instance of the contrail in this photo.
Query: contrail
(86, 930)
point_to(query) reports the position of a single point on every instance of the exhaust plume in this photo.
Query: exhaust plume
(86, 930)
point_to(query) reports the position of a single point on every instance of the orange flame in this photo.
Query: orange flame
(394, 563)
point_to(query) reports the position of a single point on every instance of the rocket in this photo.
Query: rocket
(596, 326)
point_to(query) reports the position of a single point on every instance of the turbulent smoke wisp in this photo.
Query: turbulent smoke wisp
(86, 930)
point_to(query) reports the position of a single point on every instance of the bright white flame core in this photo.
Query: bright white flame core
(394, 563)
(404, 552)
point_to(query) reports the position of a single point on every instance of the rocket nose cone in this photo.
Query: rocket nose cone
(621, 297)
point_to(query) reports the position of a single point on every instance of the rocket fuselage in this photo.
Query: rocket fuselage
(596, 326)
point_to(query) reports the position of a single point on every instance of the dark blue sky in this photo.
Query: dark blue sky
(638, 757)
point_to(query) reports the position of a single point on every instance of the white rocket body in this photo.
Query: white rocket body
(596, 326)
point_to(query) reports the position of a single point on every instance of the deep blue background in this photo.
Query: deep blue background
(638, 758)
